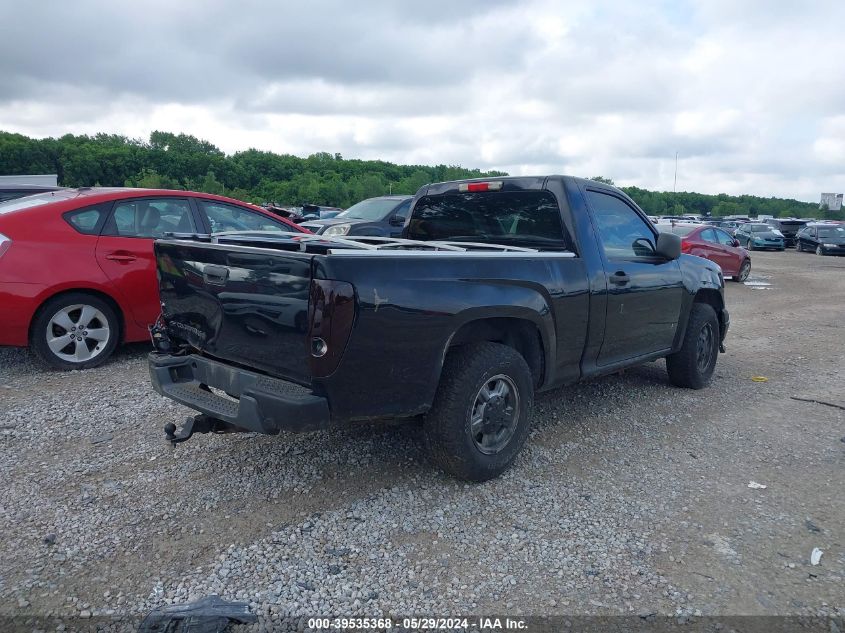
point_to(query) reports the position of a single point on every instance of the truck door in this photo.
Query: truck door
(644, 291)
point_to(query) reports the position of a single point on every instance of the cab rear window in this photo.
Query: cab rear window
(518, 218)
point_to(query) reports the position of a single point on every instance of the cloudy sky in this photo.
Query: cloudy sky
(750, 93)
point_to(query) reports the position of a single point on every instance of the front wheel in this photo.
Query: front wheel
(692, 366)
(819, 250)
(75, 331)
(481, 414)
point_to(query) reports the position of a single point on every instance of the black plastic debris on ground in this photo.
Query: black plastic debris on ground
(209, 615)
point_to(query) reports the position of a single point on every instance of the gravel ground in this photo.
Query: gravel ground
(631, 497)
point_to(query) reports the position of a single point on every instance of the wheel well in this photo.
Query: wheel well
(711, 297)
(520, 334)
(87, 291)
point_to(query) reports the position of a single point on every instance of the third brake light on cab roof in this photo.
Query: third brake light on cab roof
(480, 186)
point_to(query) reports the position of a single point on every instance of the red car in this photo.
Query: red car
(714, 244)
(77, 273)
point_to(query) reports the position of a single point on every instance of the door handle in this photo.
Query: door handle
(215, 275)
(619, 278)
(123, 258)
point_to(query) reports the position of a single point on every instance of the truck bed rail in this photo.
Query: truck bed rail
(363, 244)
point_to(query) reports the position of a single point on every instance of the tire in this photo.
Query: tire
(798, 248)
(744, 271)
(692, 366)
(57, 321)
(478, 452)
(819, 250)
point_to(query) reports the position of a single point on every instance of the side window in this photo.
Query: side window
(150, 218)
(708, 235)
(724, 238)
(402, 209)
(228, 217)
(623, 233)
(88, 220)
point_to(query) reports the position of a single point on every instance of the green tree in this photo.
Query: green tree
(151, 179)
(210, 184)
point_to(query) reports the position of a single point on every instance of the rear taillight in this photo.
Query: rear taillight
(5, 243)
(331, 312)
(480, 186)
(686, 247)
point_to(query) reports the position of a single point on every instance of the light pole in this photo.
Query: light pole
(675, 184)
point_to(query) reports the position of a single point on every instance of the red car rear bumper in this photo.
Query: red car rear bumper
(18, 302)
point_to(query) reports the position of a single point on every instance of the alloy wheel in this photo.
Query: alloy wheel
(78, 333)
(704, 349)
(494, 414)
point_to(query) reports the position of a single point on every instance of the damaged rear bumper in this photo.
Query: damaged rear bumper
(253, 402)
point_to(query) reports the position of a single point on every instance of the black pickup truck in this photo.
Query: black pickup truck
(498, 288)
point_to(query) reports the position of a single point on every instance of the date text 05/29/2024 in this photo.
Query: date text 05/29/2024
(419, 624)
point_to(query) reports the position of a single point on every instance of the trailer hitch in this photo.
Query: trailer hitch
(197, 424)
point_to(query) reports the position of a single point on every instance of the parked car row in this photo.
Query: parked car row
(731, 251)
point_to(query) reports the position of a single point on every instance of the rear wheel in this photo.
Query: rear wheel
(744, 271)
(692, 366)
(798, 246)
(481, 414)
(75, 331)
(819, 250)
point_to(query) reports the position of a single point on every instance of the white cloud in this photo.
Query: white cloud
(749, 94)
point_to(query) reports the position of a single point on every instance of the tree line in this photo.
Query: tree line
(182, 161)
(720, 205)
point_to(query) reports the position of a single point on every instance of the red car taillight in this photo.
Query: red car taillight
(686, 247)
(5, 243)
(331, 312)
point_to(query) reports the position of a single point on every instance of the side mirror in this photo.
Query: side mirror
(735, 243)
(668, 245)
(397, 220)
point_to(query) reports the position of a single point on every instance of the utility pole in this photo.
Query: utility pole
(391, 189)
(675, 184)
